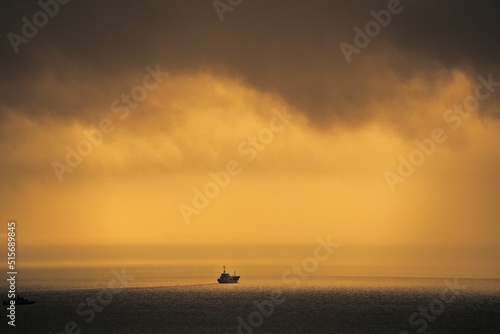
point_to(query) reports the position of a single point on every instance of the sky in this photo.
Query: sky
(194, 125)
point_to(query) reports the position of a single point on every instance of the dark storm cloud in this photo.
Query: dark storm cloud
(458, 33)
(289, 47)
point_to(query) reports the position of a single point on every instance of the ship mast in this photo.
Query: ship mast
(224, 269)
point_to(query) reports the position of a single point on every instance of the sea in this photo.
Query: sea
(118, 300)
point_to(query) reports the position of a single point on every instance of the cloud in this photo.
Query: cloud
(81, 59)
(323, 175)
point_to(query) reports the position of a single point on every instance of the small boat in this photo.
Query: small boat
(226, 278)
(19, 301)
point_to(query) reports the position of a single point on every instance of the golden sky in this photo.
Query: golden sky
(309, 138)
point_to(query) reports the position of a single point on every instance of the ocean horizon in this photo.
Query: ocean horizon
(124, 301)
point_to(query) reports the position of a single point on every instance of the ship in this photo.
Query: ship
(19, 301)
(226, 278)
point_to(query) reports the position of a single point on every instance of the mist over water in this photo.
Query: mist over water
(89, 263)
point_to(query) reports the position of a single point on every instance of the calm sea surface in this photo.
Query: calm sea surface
(197, 304)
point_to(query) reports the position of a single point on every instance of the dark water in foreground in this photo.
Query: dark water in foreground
(319, 305)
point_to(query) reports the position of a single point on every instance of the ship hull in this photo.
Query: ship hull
(226, 282)
(7, 302)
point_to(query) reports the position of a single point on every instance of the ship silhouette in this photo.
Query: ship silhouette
(19, 301)
(226, 278)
